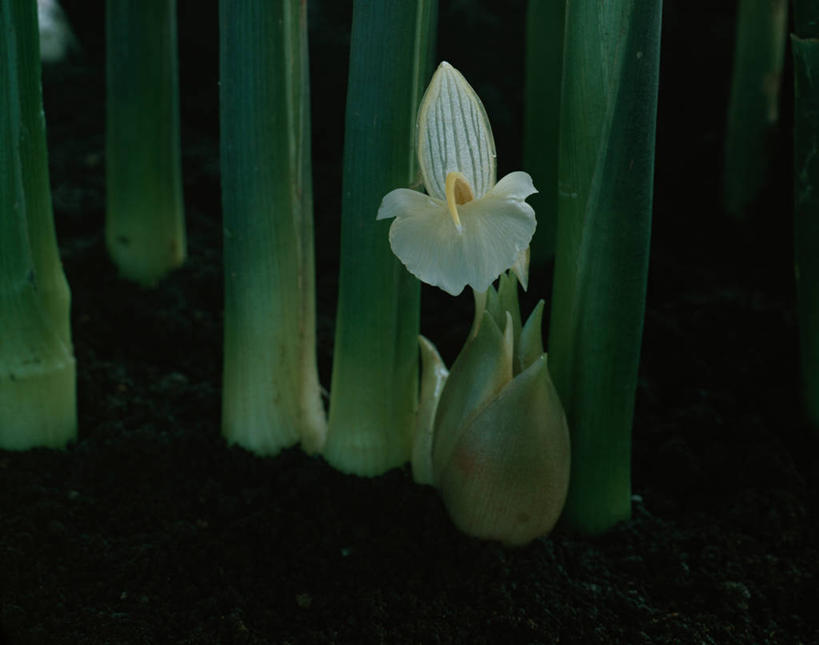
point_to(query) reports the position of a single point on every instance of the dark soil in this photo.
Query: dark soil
(149, 529)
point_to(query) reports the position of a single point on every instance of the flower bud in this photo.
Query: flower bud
(500, 443)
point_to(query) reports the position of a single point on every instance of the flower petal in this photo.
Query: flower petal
(516, 185)
(495, 230)
(404, 202)
(454, 134)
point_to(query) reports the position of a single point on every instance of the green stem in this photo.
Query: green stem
(37, 370)
(609, 101)
(144, 223)
(375, 369)
(271, 396)
(753, 109)
(805, 47)
(51, 282)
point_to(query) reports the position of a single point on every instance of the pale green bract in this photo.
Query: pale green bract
(468, 229)
(491, 433)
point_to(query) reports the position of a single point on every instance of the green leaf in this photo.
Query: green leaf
(608, 117)
(375, 364)
(52, 285)
(271, 397)
(531, 339)
(37, 369)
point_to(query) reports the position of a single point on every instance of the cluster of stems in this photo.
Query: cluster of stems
(592, 79)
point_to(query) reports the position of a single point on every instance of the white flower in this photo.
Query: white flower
(468, 229)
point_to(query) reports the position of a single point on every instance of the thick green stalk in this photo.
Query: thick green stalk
(37, 370)
(51, 283)
(375, 368)
(753, 109)
(271, 397)
(144, 220)
(609, 101)
(805, 47)
(545, 21)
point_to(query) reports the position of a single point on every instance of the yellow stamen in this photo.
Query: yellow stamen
(457, 192)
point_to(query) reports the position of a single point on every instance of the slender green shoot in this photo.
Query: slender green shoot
(753, 109)
(805, 47)
(375, 368)
(37, 369)
(144, 219)
(545, 21)
(609, 102)
(271, 397)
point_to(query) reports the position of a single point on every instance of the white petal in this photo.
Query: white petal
(454, 134)
(403, 202)
(495, 230)
(516, 185)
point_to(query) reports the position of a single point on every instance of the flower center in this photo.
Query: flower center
(457, 192)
